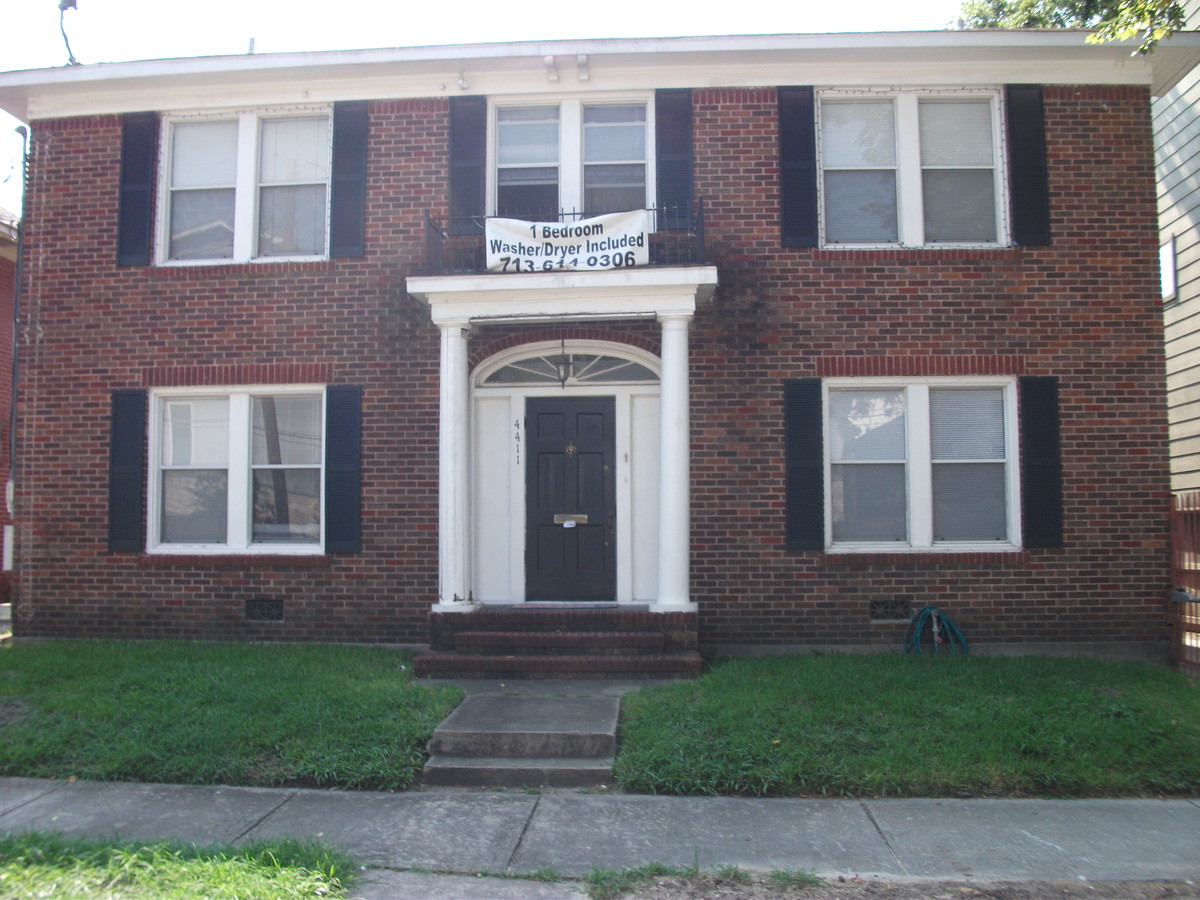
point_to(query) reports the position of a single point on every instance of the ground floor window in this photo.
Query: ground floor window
(920, 464)
(237, 470)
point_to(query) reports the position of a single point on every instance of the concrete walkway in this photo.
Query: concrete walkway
(1098, 840)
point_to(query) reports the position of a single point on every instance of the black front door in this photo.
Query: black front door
(570, 499)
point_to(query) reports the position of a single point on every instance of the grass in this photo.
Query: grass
(208, 713)
(785, 879)
(884, 725)
(39, 865)
(605, 884)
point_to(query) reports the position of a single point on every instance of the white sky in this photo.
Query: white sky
(112, 30)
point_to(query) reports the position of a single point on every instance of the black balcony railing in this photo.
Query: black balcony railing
(455, 246)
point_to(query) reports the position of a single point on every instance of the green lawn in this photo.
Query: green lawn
(208, 713)
(38, 865)
(880, 725)
(886, 725)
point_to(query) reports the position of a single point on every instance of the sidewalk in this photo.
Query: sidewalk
(1097, 840)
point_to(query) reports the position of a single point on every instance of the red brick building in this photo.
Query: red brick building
(888, 335)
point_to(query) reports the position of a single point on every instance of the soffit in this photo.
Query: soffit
(874, 59)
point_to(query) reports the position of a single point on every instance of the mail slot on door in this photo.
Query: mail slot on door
(570, 520)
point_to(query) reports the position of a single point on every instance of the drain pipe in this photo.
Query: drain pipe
(16, 342)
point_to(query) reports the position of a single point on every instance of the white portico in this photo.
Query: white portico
(668, 294)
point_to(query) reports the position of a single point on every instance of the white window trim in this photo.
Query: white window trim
(1168, 268)
(245, 219)
(919, 467)
(238, 526)
(570, 141)
(910, 212)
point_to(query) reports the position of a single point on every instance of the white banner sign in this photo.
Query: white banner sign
(615, 241)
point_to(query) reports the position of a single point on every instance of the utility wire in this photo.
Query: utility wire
(63, 6)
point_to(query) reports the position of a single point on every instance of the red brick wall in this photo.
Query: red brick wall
(1083, 309)
(95, 328)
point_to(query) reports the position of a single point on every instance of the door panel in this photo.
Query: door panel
(572, 446)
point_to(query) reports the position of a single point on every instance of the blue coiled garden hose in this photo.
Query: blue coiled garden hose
(946, 636)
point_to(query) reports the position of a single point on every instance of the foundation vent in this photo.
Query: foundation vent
(264, 609)
(891, 610)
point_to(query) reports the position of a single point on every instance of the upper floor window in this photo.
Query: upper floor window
(910, 169)
(246, 186)
(575, 156)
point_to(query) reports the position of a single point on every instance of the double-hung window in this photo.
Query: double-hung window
(921, 464)
(238, 471)
(575, 157)
(911, 169)
(246, 186)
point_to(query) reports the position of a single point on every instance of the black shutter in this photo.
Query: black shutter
(126, 471)
(673, 152)
(797, 167)
(1025, 121)
(468, 163)
(348, 188)
(343, 454)
(804, 456)
(139, 141)
(1041, 462)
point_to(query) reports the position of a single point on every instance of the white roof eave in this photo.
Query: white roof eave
(875, 58)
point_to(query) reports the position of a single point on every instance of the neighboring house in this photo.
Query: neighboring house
(896, 341)
(1177, 145)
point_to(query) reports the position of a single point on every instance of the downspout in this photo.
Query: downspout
(16, 335)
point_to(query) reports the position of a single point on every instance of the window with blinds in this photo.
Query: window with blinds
(570, 159)
(909, 169)
(247, 186)
(238, 470)
(920, 464)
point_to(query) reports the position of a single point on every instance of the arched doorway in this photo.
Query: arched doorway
(564, 474)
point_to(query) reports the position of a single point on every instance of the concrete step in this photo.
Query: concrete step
(522, 740)
(520, 727)
(545, 643)
(445, 664)
(508, 771)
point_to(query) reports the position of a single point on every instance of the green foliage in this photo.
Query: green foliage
(245, 714)
(885, 725)
(1114, 20)
(45, 865)
(606, 884)
(793, 878)
(732, 873)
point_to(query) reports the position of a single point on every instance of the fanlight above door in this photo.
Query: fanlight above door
(556, 367)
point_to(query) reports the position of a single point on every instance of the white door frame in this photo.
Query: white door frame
(497, 509)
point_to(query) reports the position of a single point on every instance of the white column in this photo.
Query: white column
(674, 533)
(453, 443)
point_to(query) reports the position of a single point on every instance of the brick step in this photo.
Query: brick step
(540, 643)
(539, 772)
(558, 619)
(440, 664)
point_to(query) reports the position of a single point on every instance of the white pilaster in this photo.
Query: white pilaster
(674, 533)
(453, 481)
